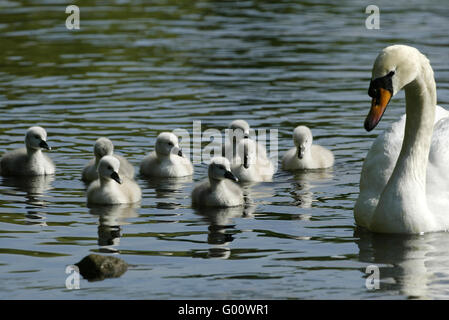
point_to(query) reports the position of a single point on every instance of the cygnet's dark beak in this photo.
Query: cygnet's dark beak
(229, 175)
(301, 153)
(43, 144)
(245, 162)
(116, 177)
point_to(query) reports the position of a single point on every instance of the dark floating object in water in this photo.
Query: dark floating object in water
(96, 267)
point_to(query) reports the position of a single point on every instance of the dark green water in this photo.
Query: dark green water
(135, 69)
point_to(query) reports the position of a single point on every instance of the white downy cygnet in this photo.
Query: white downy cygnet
(104, 147)
(249, 165)
(110, 188)
(306, 155)
(239, 129)
(167, 161)
(29, 161)
(219, 190)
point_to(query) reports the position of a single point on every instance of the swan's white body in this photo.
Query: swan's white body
(256, 168)
(167, 160)
(109, 188)
(306, 155)
(29, 161)
(103, 146)
(218, 190)
(404, 184)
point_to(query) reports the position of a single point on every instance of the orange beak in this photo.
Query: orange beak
(378, 106)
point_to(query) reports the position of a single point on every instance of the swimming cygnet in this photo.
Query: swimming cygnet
(29, 161)
(110, 188)
(306, 155)
(104, 147)
(218, 190)
(167, 161)
(240, 129)
(249, 165)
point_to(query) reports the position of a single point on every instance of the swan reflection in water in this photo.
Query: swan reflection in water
(168, 189)
(415, 265)
(35, 189)
(220, 222)
(304, 182)
(111, 218)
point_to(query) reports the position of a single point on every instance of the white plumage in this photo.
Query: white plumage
(167, 161)
(404, 183)
(218, 190)
(249, 165)
(29, 161)
(104, 147)
(239, 129)
(110, 188)
(306, 155)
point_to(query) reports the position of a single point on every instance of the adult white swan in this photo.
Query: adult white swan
(404, 184)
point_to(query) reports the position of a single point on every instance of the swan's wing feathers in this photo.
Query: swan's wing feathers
(377, 169)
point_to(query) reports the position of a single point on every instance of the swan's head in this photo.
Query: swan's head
(36, 138)
(220, 169)
(240, 129)
(247, 152)
(167, 143)
(302, 136)
(103, 147)
(108, 168)
(395, 67)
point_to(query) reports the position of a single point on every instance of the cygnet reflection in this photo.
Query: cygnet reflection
(111, 218)
(171, 190)
(221, 227)
(303, 184)
(34, 187)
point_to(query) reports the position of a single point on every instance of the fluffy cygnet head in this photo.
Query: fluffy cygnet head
(36, 139)
(240, 129)
(247, 152)
(108, 168)
(167, 143)
(103, 147)
(302, 136)
(220, 169)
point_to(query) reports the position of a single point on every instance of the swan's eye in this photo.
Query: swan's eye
(390, 74)
(170, 144)
(37, 137)
(109, 168)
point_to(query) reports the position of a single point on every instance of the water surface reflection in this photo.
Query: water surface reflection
(409, 264)
(111, 219)
(222, 228)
